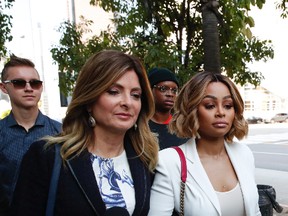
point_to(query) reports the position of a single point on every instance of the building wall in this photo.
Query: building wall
(260, 102)
(101, 19)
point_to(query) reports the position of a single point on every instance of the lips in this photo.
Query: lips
(220, 124)
(169, 102)
(124, 115)
(29, 96)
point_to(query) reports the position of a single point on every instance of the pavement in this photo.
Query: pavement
(279, 180)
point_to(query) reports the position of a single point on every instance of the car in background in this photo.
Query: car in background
(254, 120)
(280, 117)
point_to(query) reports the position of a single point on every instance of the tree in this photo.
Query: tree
(72, 51)
(182, 21)
(169, 33)
(211, 17)
(5, 26)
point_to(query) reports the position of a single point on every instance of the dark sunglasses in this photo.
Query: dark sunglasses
(20, 83)
(165, 89)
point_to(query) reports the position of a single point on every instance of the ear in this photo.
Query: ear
(3, 88)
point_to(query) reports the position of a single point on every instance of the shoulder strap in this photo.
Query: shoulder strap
(54, 182)
(183, 163)
(183, 178)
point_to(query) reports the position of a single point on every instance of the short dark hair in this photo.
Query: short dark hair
(15, 61)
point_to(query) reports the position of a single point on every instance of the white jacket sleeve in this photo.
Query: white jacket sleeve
(162, 193)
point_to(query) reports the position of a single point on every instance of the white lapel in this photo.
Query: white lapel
(197, 172)
(241, 172)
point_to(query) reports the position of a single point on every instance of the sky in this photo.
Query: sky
(35, 22)
(269, 25)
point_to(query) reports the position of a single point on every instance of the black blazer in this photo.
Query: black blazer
(78, 192)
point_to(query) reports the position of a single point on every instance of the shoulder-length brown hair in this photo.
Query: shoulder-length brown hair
(185, 119)
(97, 75)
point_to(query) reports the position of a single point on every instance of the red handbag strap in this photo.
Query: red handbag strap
(183, 163)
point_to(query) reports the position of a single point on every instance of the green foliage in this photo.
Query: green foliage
(239, 47)
(167, 33)
(72, 52)
(283, 6)
(5, 26)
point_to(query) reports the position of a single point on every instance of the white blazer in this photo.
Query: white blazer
(200, 196)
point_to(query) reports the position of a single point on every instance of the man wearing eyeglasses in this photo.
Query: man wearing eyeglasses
(165, 87)
(24, 125)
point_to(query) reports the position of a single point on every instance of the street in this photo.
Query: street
(269, 144)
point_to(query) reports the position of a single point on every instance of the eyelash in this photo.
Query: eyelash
(112, 92)
(211, 106)
(229, 106)
(115, 92)
(136, 95)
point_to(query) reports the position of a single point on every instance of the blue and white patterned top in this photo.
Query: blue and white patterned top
(115, 181)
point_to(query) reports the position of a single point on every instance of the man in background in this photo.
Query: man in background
(165, 87)
(24, 125)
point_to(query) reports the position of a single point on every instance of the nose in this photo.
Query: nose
(126, 100)
(28, 87)
(169, 92)
(220, 112)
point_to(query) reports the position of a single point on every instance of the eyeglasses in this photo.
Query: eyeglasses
(20, 83)
(165, 89)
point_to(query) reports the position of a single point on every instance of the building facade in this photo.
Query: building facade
(260, 102)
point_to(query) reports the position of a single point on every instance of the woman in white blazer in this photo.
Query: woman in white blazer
(220, 177)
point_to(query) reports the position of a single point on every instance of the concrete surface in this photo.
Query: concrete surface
(279, 180)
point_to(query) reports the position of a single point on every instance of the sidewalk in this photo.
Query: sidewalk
(279, 180)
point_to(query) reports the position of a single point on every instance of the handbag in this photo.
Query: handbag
(183, 178)
(267, 200)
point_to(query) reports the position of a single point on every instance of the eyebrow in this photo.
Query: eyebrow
(215, 98)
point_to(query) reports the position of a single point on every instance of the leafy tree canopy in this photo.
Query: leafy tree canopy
(167, 33)
(5, 26)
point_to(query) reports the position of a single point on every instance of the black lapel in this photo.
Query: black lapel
(81, 168)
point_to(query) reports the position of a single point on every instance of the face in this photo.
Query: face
(117, 109)
(24, 96)
(216, 111)
(164, 95)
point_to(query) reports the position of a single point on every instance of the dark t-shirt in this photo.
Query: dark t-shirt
(166, 139)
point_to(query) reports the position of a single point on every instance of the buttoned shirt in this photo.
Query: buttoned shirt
(14, 143)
